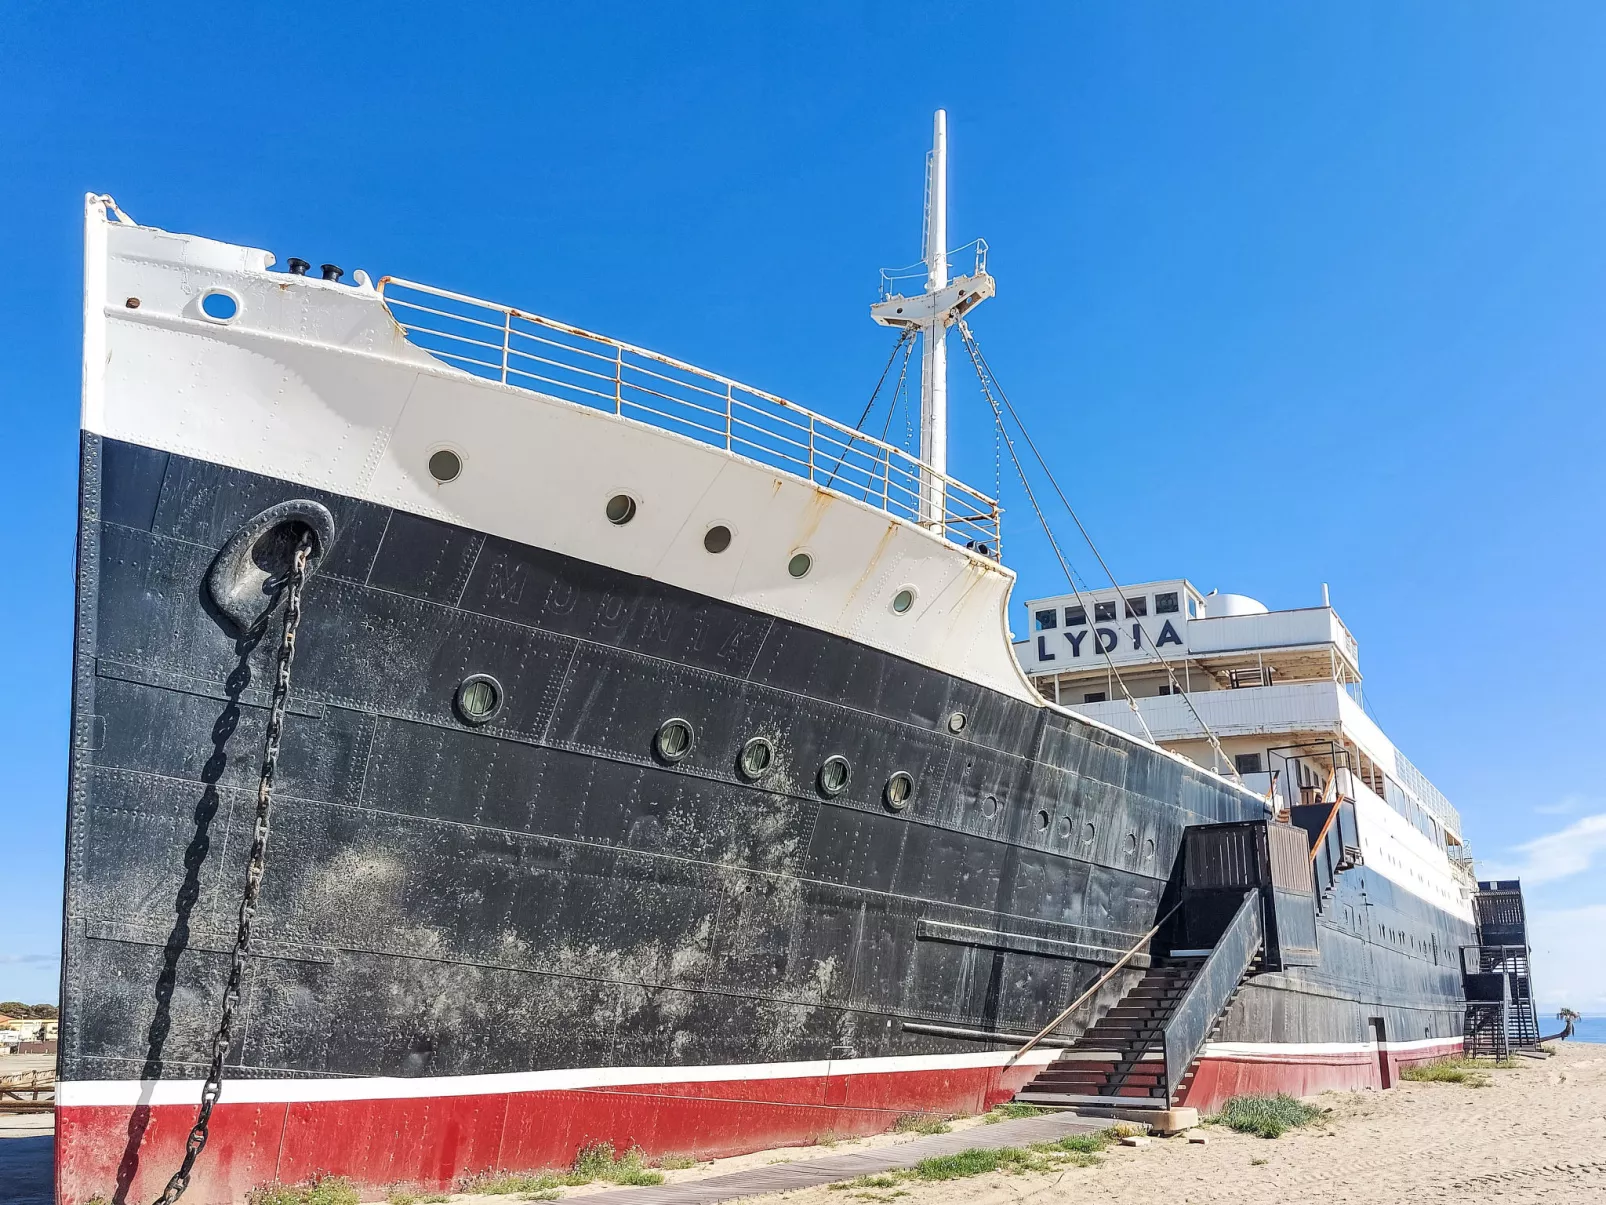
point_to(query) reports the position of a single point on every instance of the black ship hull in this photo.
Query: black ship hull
(485, 945)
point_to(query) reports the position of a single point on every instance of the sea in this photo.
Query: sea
(1590, 1029)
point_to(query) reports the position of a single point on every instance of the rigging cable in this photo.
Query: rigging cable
(904, 336)
(984, 374)
(1065, 565)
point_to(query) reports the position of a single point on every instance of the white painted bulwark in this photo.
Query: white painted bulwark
(315, 382)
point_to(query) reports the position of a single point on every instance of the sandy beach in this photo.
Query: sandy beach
(1536, 1133)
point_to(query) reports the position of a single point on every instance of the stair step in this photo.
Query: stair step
(1067, 1098)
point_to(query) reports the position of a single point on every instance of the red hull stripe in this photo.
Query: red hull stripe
(125, 1150)
(1234, 1070)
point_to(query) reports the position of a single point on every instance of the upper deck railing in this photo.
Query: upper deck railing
(501, 343)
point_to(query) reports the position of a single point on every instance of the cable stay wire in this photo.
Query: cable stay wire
(989, 383)
(1065, 565)
(904, 336)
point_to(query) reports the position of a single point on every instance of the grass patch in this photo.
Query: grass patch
(1447, 1071)
(320, 1190)
(405, 1196)
(828, 1139)
(598, 1161)
(1074, 1150)
(1013, 1110)
(1267, 1116)
(921, 1123)
(507, 1184)
(676, 1163)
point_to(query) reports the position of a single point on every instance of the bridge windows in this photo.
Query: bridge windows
(1166, 604)
(1137, 607)
(1075, 616)
(1104, 612)
(1046, 620)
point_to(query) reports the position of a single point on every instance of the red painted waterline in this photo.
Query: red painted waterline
(1303, 1074)
(125, 1154)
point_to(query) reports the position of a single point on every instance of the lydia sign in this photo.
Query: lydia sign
(1096, 641)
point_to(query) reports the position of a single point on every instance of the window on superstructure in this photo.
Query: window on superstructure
(1246, 763)
(1093, 696)
(1165, 604)
(1046, 620)
(1104, 612)
(1137, 607)
(1193, 610)
(1075, 616)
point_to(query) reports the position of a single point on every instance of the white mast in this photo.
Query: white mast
(934, 380)
(931, 314)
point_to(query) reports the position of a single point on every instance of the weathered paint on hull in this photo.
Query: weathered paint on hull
(539, 894)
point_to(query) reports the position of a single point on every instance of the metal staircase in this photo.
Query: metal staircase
(1249, 894)
(1501, 1015)
(1142, 1053)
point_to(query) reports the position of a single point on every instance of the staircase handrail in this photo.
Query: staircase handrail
(1327, 827)
(1189, 1023)
(1101, 981)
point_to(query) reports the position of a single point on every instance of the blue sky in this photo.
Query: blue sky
(1291, 294)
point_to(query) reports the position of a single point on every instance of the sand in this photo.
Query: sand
(1537, 1133)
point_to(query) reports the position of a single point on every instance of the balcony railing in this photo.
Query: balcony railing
(501, 343)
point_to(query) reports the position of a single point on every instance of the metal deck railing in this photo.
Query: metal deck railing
(501, 343)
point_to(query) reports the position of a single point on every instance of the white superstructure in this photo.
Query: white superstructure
(1280, 690)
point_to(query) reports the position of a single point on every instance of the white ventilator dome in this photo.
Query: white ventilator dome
(1217, 605)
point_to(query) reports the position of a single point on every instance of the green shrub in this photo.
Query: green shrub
(676, 1163)
(320, 1190)
(1267, 1116)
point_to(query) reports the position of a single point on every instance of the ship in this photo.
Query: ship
(491, 738)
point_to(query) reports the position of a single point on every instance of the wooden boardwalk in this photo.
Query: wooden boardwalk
(783, 1177)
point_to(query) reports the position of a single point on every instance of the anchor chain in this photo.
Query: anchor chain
(213, 1087)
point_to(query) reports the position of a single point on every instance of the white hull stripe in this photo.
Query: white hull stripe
(85, 1093)
(1284, 1050)
(126, 1093)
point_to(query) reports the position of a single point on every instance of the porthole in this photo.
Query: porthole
(957, 722)
(717, 538)
(220, 306)
(1148, 849)
(1088, 833)
(898, 790)
(800, 564)
(989, 806)
(1042, 821)
(756, 758)
(1064, 831)
(674, 740)
(479, 698)
(445, 465)
(903, 600)
(834, 775)
(1130, 845)
(621, 509)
